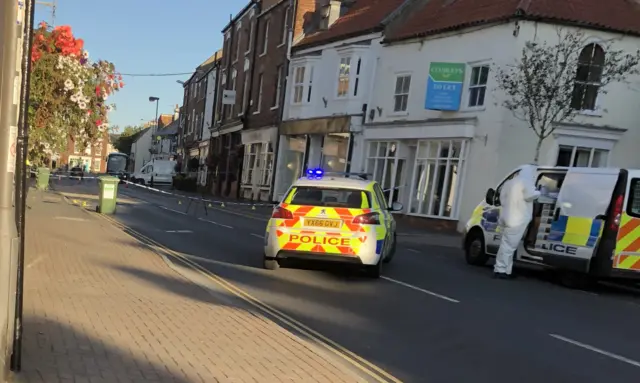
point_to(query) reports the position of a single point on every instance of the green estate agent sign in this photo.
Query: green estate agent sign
(444, 86)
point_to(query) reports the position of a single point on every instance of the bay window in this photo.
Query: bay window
(298, 84)
(343, 76)
(302, 83)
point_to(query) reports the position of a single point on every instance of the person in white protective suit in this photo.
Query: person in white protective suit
(516, 198)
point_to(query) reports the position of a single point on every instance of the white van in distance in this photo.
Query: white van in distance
(161, 171)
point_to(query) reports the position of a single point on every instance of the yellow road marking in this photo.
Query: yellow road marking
(362, 364)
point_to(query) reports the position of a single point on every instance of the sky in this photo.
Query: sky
(146, 36)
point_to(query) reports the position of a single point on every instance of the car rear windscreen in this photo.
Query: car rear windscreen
(330, 197)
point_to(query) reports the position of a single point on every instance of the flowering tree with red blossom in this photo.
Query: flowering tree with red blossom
(69, 93)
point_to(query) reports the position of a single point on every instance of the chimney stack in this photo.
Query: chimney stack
(330, 13)
(176, 113)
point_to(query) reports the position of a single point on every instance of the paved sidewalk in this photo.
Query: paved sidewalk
(101, 308)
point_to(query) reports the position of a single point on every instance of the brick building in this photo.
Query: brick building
(235, 83)
(193, 109)
(268, 79)
(93, 157)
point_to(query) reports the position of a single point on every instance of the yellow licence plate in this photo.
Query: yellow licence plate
(329, 223)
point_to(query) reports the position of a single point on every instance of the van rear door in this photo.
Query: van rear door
(627, 252)
(580, 213)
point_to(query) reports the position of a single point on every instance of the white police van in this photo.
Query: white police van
(586, 224)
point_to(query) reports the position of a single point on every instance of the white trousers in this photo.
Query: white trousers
(511, 237)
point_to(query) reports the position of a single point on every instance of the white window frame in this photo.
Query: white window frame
(191, 120)
(468, 80)
(583, 137)
(245, 94)
(267, 159)
(234, 83)
(387, 160)
(238, 40)
(285, 32)
(397, 76)
(248, 172)
(276, 101)
(592, 150)
(250, 38)
(461, 161)
(259, 102)
(265, 42)
(597, 112)
(342, 77)
(298, 85)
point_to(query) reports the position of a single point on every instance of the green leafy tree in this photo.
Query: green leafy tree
(125, 139)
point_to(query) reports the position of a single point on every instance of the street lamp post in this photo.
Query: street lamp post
(154, 129)
(157, 101)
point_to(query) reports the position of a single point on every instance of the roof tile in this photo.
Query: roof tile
(363, 16)
(441, 15)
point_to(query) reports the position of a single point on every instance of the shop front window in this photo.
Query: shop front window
(250, 157)
(267, 164)
(436, 178)
(335, 148)
(291, 166)
(386, 167)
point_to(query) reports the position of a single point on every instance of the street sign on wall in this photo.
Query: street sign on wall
(228, 97)
(444, 86)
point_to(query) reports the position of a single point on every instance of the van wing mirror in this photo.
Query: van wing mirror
(490, 197)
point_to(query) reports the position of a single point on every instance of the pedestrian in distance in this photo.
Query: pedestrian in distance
(516, 198)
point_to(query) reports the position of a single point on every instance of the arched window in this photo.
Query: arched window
(588, 76)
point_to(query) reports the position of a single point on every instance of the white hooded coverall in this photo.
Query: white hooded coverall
(516, 198)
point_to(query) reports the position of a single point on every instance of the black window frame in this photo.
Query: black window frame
(634, 183)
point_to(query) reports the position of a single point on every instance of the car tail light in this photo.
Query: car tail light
(281, 213)
(367, 219)
(616, 213)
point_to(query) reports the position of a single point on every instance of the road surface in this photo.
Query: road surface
(431, 318)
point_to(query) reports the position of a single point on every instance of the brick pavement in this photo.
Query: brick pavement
(101, 308)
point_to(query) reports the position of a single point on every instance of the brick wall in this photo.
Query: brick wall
(267, 67)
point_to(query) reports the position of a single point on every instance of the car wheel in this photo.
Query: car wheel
(474, 249)
(392, 250)
(271, 264)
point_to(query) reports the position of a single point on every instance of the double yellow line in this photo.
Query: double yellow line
(373, 371)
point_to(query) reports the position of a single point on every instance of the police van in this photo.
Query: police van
(586, 224)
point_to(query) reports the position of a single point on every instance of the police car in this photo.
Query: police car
(333, 217)
(585, 224)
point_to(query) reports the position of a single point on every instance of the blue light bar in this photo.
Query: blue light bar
(315, 174)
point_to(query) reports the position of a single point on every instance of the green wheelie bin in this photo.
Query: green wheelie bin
(42, 178)
(108, 195)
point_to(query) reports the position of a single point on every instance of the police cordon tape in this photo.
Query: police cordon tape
(221, 203)
(177, 195)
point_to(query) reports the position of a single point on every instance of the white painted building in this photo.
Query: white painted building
(329, 83)
(439, 164)
(141, 149)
